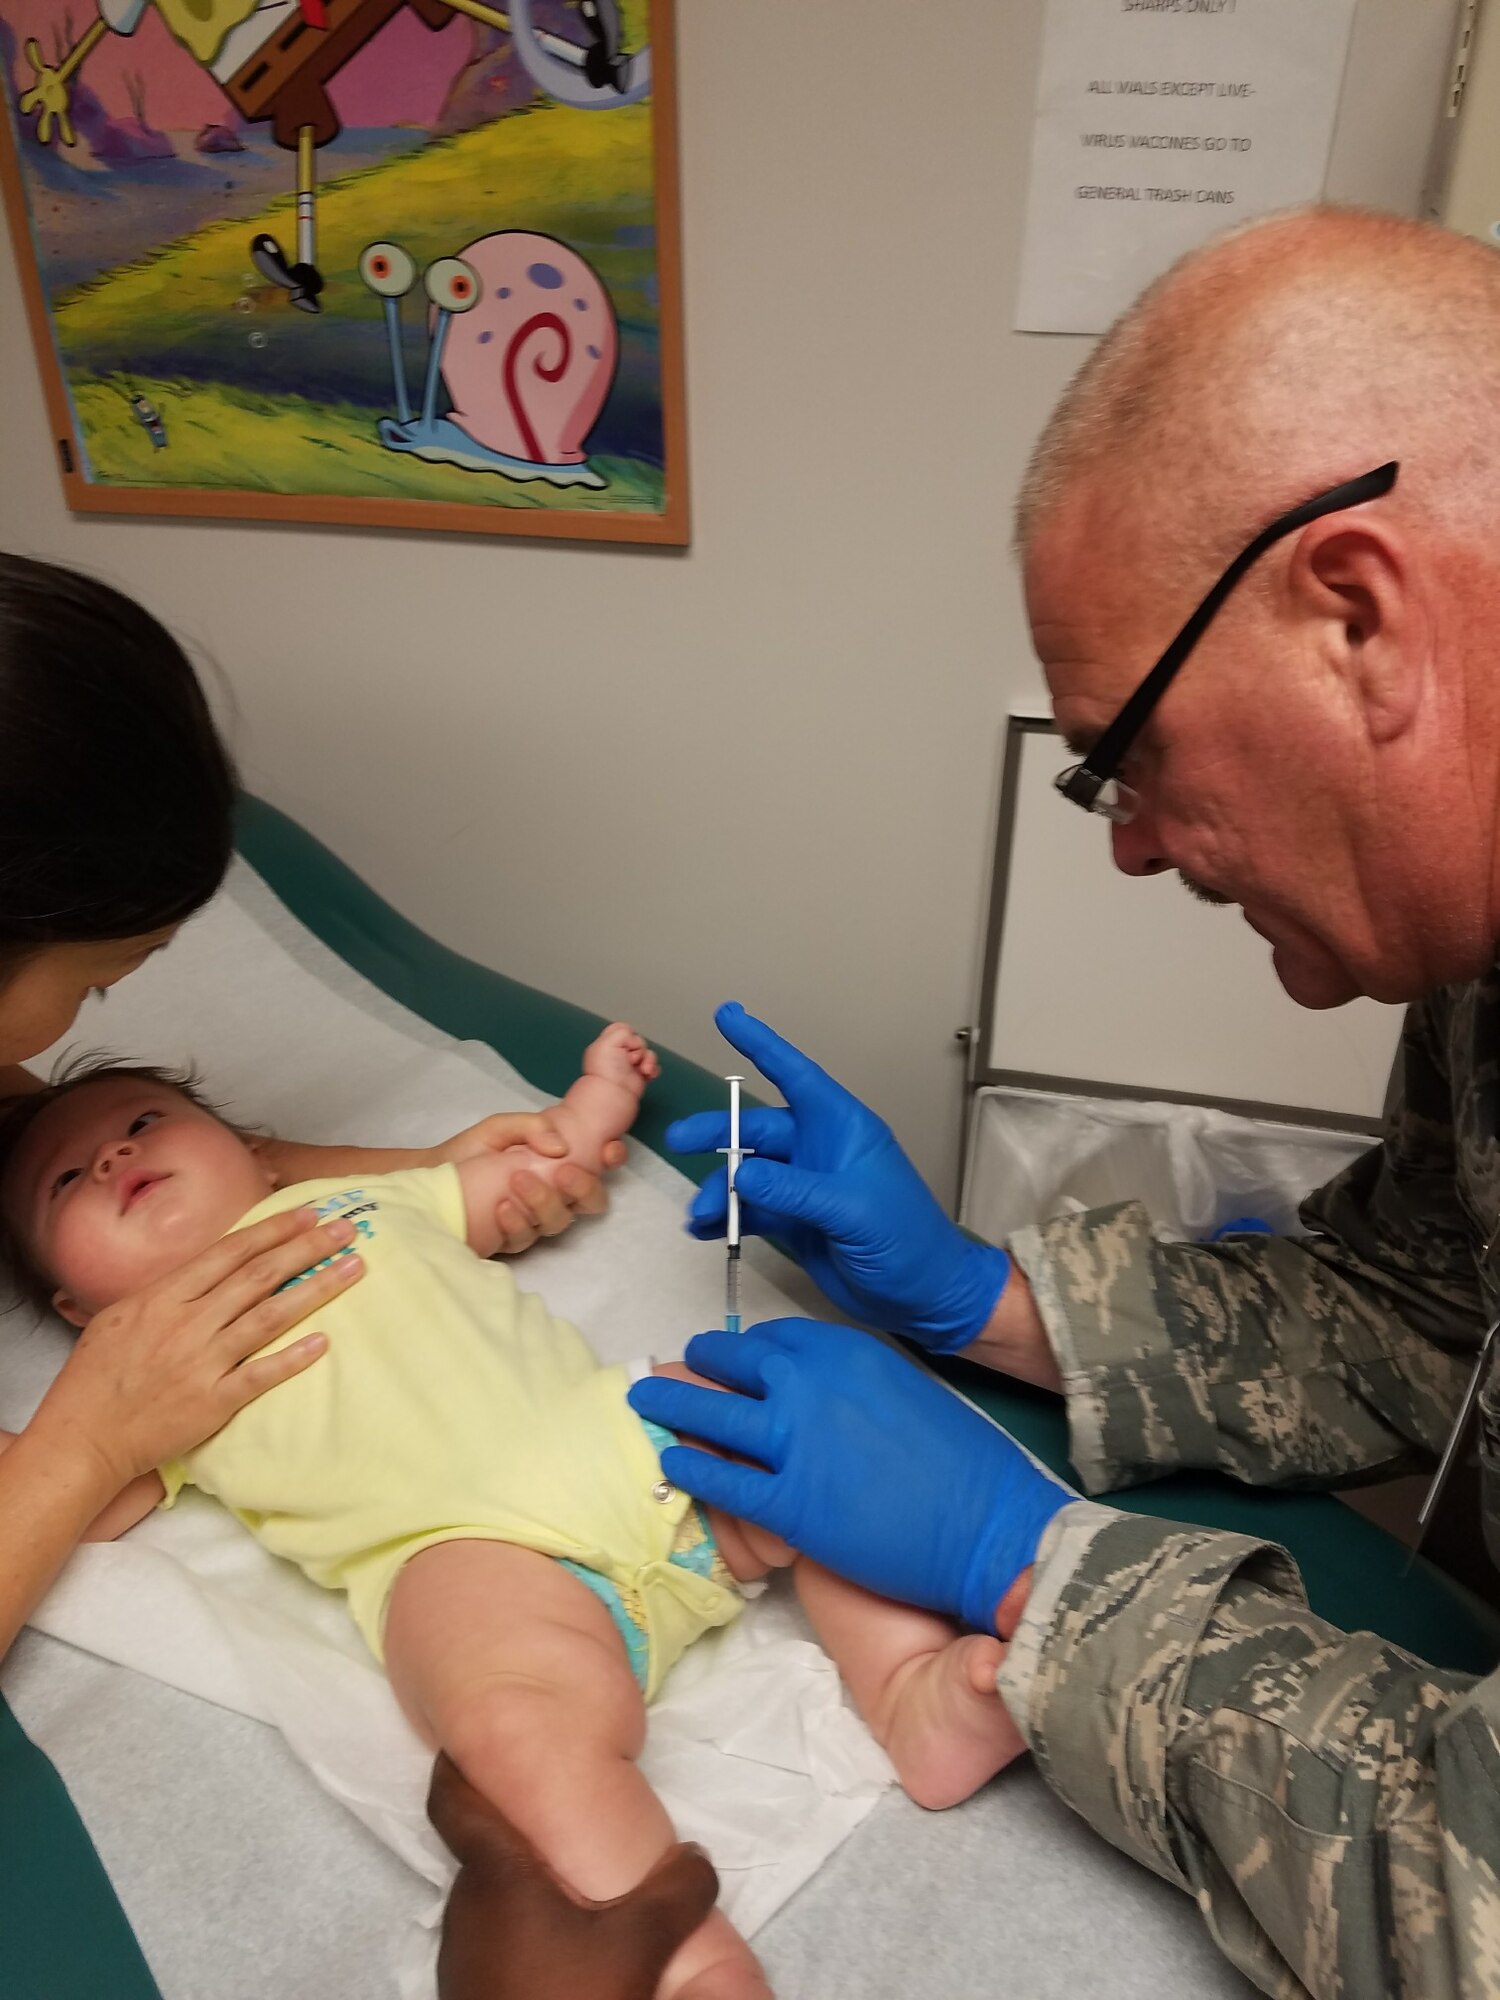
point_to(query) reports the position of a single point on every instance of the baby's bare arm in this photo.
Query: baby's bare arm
(598, 1109)
(133, 1503)
(137, 1500)
(595, 1110)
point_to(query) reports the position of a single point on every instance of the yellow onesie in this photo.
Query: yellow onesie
(450, 1405)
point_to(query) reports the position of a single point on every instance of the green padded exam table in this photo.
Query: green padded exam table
(909, 1897)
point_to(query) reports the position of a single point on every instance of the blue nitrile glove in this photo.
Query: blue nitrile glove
(829, 1182)
(862, 1460)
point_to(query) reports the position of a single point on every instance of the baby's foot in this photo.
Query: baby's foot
(949, 1731)
(622, 1056)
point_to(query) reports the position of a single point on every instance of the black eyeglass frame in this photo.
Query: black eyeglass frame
(1083, 782)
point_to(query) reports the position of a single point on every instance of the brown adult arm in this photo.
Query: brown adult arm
(511, 1931)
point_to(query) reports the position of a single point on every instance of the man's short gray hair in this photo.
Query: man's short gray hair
(1295, 351)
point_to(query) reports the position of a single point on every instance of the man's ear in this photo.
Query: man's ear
(1356, 578)
(72, 1312)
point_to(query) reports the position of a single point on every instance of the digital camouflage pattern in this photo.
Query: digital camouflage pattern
(1331, 1802)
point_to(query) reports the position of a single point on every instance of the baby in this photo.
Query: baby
(461, 1466)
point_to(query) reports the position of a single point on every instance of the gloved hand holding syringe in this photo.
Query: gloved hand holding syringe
(835, 1440)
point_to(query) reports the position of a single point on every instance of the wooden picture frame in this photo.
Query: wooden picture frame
(222, 311)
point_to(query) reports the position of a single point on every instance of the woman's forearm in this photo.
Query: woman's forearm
(292, 1161)
(51, 1489)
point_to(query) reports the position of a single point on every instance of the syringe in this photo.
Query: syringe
(736, 1152)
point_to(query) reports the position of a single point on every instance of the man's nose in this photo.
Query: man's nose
(110, 1158)
(1137, 846)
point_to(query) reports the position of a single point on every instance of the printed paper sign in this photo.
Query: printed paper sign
(1159, 123)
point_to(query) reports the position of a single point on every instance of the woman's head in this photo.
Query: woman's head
(116, 795)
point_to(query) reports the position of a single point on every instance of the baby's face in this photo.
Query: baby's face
(119, 1183)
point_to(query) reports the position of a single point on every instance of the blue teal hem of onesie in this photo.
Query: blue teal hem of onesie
(698, 1559)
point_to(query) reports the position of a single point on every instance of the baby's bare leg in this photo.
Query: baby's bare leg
(508, 1663)
(748, 1551)
(926, 1689)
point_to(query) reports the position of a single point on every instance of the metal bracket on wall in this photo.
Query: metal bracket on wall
(1463, 46)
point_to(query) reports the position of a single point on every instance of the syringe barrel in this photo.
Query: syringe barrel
(732, 1292)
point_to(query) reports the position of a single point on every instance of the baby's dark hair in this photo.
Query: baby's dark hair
(30, 1284)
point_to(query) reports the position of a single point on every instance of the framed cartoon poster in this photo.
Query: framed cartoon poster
(386, 263)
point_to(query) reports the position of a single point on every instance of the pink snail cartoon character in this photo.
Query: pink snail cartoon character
(524, 340)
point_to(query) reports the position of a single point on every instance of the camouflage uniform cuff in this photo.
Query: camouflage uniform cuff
(1096, 1678)
(1136, 1405)
(1065, 1542)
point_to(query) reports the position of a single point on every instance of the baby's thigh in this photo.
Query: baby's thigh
(479, 1629)
(749, 1551)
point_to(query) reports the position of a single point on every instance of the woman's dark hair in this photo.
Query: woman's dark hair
(116, 794)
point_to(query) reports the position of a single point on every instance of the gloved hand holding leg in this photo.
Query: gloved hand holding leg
(860, 1459)
(829, 1181)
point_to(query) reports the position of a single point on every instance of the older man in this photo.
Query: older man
(1309, 409)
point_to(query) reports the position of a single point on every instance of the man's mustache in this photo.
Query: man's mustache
(1203, 893)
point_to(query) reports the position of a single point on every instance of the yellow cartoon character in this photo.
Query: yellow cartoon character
(273, 59)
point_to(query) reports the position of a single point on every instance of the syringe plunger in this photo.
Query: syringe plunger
(736, 1152)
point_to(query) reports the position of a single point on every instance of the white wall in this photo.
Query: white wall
(765, 768)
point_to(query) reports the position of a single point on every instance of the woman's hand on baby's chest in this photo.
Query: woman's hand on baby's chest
(157, 1373)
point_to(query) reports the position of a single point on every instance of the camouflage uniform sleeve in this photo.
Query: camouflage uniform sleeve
(1291, 1361)
(1331, 1803)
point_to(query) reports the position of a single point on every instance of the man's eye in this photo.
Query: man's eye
(139, 1124)
(70, 1174)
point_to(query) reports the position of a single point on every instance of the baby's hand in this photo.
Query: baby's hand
(622, 1056)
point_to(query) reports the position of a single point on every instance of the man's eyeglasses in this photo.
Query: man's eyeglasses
(1095, 784)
